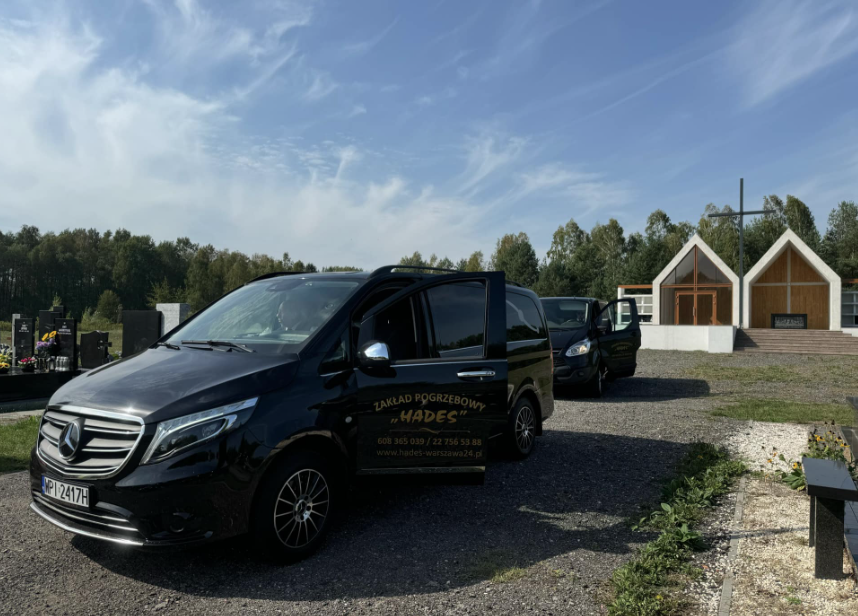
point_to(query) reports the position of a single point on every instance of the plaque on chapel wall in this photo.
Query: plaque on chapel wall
(789, 321)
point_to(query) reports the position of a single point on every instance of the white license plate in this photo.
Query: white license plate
(66, 492)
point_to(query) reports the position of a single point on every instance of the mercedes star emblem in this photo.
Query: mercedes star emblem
(70, 439)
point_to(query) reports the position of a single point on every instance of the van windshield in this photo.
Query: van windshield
(563, 314)
(270, 316)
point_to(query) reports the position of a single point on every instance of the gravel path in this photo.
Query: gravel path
(774, 570)
(549, 530)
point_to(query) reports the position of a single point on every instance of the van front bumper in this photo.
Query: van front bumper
(193, 499)
(573, 370)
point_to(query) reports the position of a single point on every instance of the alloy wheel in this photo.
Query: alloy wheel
(301, 509)
(525, 425)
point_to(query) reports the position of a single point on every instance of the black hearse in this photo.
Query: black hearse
(592, 341)
(252, 415)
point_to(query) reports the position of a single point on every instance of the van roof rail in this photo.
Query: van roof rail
(275, 274)
(387, 269)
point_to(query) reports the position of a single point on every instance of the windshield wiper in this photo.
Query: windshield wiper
(217, 343)
(169, 345)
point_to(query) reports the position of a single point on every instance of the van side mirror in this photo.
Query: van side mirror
(374, 354)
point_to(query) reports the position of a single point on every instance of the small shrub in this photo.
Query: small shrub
(640, 587)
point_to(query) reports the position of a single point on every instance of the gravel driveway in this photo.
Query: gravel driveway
(540, 536)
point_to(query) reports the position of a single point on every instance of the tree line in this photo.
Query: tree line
(101, 273)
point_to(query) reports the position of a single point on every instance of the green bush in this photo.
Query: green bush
(108, 307)
(640, 588)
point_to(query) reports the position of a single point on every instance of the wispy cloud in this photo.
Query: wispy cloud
(587, 192)
(356, 111)
(362, 47)
(785, 42)
(320, 86)
(524, 32)
(485, 155)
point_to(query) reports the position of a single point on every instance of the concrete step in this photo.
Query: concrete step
(796, 351)
(803, 341)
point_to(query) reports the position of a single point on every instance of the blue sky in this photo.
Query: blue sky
(357, 132)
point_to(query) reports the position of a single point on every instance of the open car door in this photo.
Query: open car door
(432, 376)
(619, 336)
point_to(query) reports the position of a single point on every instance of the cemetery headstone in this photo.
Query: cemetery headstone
(60, 309)
(67, 341)
(93, 349)
(15, 317)
(140, 329)
(46, 321)
(24, 337)
(172, 315)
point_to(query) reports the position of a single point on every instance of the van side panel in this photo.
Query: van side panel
(528, 351)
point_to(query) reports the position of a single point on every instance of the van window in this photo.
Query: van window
(458, 317)
(397, 327)
(338, 358)
(270, 316)
(523, 321)
(566, 313)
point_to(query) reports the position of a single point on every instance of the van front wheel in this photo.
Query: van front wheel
(295, 506)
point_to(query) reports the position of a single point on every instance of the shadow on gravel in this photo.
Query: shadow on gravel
(643, 388)
(575, 493)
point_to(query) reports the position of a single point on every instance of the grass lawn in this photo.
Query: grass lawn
(16, 441)
(782, 411)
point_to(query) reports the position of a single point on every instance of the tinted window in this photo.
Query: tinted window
(338, 357)
(523, 321)
(397, 327)
(566, 313)
(270, 316)
(458, 318)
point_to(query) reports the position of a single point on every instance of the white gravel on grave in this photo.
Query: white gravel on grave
(756, 442)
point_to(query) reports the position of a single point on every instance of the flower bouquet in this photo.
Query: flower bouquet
(28, 364)
(4, 364)
(47, 345)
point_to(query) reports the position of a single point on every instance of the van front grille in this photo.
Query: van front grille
(106, 441)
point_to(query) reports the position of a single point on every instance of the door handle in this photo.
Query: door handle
(476, 374)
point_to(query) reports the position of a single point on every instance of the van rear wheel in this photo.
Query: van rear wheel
(294, 509)
(521, 432)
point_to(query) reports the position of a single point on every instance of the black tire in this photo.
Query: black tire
(521, 431)
(294, 507)
(596, 385)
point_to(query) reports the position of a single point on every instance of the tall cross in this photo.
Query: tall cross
(741, 215)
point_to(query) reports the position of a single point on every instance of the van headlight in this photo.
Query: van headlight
(582, 347)
(175, 435)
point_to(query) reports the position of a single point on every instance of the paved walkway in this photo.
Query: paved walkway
(12, 412)
(9, 418)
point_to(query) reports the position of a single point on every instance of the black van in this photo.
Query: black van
(593, 341)
(252, 415)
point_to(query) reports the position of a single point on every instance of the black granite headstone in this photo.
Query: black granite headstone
(93, 349)
(140, 329)
(67, 340)
(46, 321)
(24, 337)
(60, 309)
